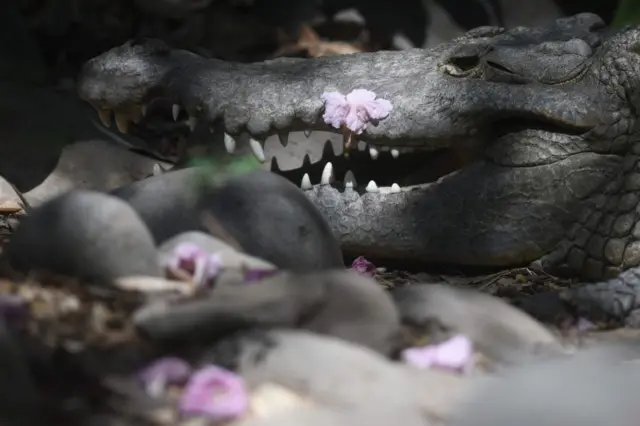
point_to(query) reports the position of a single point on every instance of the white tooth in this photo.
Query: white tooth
(192, 122)
(143, 110)
(229, 143)
(350, 180)
(256, 147)
(306, 182)
(373, 153)
(175, 110)
(395, 188)
(284, 138)
(362, 146)
(307, 133)
(327, 174)
(372, 187)
(395, 153)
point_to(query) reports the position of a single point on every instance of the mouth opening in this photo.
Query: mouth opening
(407, 167)
(385, 169)
(410, 168)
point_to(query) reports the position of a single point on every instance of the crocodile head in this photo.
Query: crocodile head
(500, 143)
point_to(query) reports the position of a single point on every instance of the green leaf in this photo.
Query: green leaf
(627, 13)
(216, 171)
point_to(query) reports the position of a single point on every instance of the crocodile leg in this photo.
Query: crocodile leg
(616, 300)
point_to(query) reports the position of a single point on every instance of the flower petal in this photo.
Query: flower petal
(378, 109)
(216, 393)
(360, 96)
(422, 357)
(335, 108)
(356, 119)
(363, 266)
(454, 354)
(165, 371)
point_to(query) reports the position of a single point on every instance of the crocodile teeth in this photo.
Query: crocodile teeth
(256, 147)
(157, 169)
(306, 182)
(395, 188)
(284, 138)
(229, 143)
(395, 153)
(307, 133)
(350, 180)
(327, 174)
(105, 117)
(175, 111)
(144, 110)
(372, 187)
(373, 153)
(192, 122)
(122, 122)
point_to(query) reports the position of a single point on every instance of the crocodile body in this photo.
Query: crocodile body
(526, 142)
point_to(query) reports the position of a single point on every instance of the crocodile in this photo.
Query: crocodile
(510, 146)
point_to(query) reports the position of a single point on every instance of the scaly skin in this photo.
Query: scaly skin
(546, 118)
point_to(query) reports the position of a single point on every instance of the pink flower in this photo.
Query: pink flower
(455, 354)
(191, 258)
(216, 393)
(355, 110)
(363, 266)
(163, 372)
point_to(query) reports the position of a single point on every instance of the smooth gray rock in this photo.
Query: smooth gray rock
(500, 331)
(591, 388)
(87, 235)
(266, 214)
(337, 303)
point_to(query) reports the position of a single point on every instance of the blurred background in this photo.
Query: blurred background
(59, 35)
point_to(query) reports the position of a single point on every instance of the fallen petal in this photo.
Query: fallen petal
(363, 266)
(455, 354)
(163, 372)
(184, 252)
(215, 393)
(203, 266)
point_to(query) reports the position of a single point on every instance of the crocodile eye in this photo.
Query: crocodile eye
(460, 66)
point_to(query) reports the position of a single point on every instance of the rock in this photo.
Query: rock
(266, 214)
(590, 388)
(231, 258)
(500, 331)
(96, 165)
(342, 304)
(332, 373)
(87, 235)
(375, 413)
